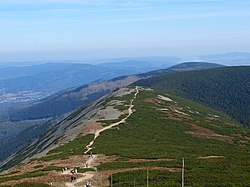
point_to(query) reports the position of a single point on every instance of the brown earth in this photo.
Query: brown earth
(91, 127)
(154, 101)
(202, 132)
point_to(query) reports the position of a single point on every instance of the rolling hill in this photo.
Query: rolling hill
(68, 101)
(27, 84)
(226, 89)
(49, 110)
(229, 59)
(133, 133)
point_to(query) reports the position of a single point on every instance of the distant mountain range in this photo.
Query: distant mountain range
(67, 101)
(230, 59)
(26, 82)
(30, 83)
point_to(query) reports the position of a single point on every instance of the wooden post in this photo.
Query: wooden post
(111, 181)
(101, 179)
(182, 178)
(147, 177)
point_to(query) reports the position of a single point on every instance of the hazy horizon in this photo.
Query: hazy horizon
(91, 29)
(228, 58)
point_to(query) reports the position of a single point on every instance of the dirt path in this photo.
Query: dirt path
(97, 133)
(89, 163)
(86, 176)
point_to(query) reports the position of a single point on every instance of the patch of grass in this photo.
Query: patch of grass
(139, 178)
(26, 175)
(122, 165)
(31, 184)
(122, 107)
(149, 134)
(27, 184)
(52, 168)
(75, 147)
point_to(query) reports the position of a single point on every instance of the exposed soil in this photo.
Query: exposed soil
(91, 127)
(202, 132)
(153, 100)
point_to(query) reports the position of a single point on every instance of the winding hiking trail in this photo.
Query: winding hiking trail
(97, 133)
(89, 175)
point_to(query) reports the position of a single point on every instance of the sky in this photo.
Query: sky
(89, 29)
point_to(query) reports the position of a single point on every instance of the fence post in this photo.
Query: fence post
(182, 177)
(147, 177)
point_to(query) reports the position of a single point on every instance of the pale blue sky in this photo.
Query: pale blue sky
(77, 29)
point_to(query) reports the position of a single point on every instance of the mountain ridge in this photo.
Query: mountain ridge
(210, 141)
(226, 89)
(64, 103)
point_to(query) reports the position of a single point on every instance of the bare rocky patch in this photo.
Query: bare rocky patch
(124, 91)
(108, 113)
(164, 98)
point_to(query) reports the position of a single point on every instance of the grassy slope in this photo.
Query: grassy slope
(152, 134)
(75, 147)
(149, 134)
(226, 89)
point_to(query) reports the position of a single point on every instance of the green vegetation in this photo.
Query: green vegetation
(38, 166)
(52, 168)
(226, 89)
(195, 177)
(150, 133)
(75, 147)
(23, 141)
(156, 178)
(27, 184)
(164, 132)
(26, 175)
(123, 165)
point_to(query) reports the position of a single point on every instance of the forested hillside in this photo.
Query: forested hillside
(226, 89)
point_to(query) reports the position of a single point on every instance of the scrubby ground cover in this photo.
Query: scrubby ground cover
(174, 130)
(162, 130)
